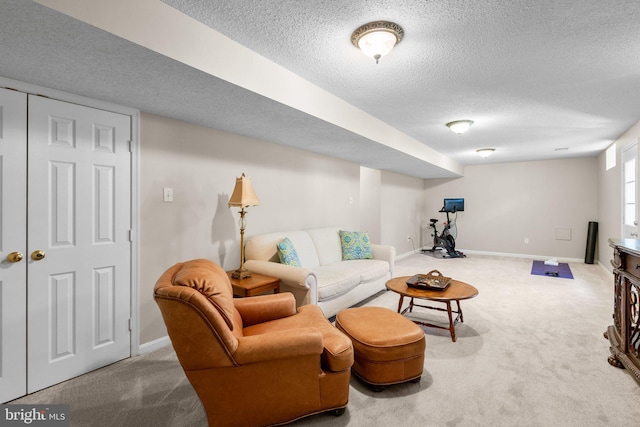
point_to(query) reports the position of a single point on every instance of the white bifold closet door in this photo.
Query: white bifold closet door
(76, 245)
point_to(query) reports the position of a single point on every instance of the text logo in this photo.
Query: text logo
(34, 415)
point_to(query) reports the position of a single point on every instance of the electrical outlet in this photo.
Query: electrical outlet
(526, 240)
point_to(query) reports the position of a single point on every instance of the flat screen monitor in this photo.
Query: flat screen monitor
(453, 205)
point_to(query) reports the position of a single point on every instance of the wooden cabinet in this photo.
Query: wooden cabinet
(624, 334)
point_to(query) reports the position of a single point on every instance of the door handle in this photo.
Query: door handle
(38, 255)
(14, 257)
(635, 234)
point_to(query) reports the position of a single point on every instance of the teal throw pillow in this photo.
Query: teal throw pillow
(287, 253)
(355, 245)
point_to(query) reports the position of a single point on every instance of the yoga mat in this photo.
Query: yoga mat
(561, 270)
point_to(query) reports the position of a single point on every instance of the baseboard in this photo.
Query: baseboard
(406, 254)
(526, 256)
(154, 345)
(605, 268)
(505, 254)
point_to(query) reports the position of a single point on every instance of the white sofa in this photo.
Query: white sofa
(324, 278)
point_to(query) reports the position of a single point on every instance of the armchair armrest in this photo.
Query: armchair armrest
(386, 253)
(264, 308)
(278, 345)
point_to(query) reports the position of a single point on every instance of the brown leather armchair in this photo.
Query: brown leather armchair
(252, 361)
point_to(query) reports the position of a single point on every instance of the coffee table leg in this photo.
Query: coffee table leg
(400, 303)
(460, 311)
(452, 329)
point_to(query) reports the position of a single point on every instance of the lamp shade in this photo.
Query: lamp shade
(243, 194)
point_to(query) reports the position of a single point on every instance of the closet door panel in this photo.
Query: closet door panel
(79, 218)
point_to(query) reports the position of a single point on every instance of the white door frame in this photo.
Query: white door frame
(135, 184)
(13, 227)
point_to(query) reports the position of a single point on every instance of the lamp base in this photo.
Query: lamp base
(241, 274)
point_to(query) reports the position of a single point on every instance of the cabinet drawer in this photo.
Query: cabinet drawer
(632, 265)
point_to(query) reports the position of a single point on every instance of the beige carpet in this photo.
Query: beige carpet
(530, 353)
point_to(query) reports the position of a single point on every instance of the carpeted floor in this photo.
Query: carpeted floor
(530, 353)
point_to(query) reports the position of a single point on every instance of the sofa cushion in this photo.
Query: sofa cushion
(340, 277)
(336, 279)
(327, 243)
(370, 269)
(287, 253)
(355, 245)
(263, 247)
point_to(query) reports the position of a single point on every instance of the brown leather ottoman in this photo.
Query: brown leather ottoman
(388, 348)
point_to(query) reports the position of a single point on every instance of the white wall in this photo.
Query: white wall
(610, 196)
(506, 203)
(370, 202)
(297, 189)
(402, 208)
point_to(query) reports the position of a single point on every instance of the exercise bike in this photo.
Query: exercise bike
(445, 240)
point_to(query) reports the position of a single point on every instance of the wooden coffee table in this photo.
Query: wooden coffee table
(456, 291)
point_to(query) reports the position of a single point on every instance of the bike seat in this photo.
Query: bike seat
(433, 220)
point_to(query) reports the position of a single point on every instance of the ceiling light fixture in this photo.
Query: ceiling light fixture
(376, 39)
(485, 152)
(460, 126)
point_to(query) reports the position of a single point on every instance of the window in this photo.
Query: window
(630, 192)
(629, 206)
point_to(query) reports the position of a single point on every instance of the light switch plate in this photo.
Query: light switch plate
(167, 194)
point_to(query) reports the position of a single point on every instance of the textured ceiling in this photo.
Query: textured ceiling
(535, 76)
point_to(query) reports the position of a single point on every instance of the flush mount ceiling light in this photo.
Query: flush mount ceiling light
(376, 39)
(460, 126)
(485, 152)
